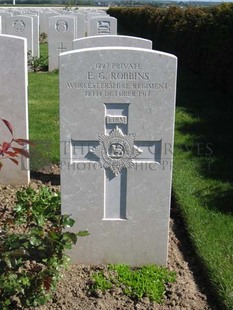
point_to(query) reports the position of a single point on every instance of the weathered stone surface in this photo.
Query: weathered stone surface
(111, 40)
(62, 32)
(14, 104)
(117, 109)
(102, 25)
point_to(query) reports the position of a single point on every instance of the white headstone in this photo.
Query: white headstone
(62, 32)
(44, 21)
(111, 40)
(102, 25)
(4, 16)
(35, 39)
(91, 14)
(14, 103)
(117, 109)
(16, 12)
(21, 26)
(80, 22)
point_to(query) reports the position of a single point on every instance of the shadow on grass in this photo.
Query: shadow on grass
(218, 198)
(208, 134)
(196, 265)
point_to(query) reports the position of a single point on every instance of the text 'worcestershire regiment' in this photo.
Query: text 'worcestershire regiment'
(118, 80)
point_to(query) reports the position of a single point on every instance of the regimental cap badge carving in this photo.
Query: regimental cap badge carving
(116, 150)
(61, 26)
(18, 25)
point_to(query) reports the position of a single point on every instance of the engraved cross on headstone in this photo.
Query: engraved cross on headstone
(116, 151)
(61, 48)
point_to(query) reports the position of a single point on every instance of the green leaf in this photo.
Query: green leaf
(67, 221)
(32, 260)
(21, 252)
(8, 262)
(53, 235)
(18, 208)
(7, 302)
(83, 233)
(70, 236)
(34, 240)
(40, 220)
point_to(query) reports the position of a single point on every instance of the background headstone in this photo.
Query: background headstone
(21, 26)
(62, 32)
(44, 21)
(102, 25)
(4, 16)
(80, 22)
(117, 109)
(14, 103)
(111, 40)
(16, 12)
(35, 38)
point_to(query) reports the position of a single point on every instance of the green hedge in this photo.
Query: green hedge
(202, 38)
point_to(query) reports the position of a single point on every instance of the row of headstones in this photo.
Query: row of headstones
(62, 34)
(61, 29)
(84, 14)
(117, 125)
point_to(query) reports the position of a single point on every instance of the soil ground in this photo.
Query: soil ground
(190, 291)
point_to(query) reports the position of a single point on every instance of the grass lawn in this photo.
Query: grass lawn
(203, 176)
(203, 167)
(43, 118)
(44, 50)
